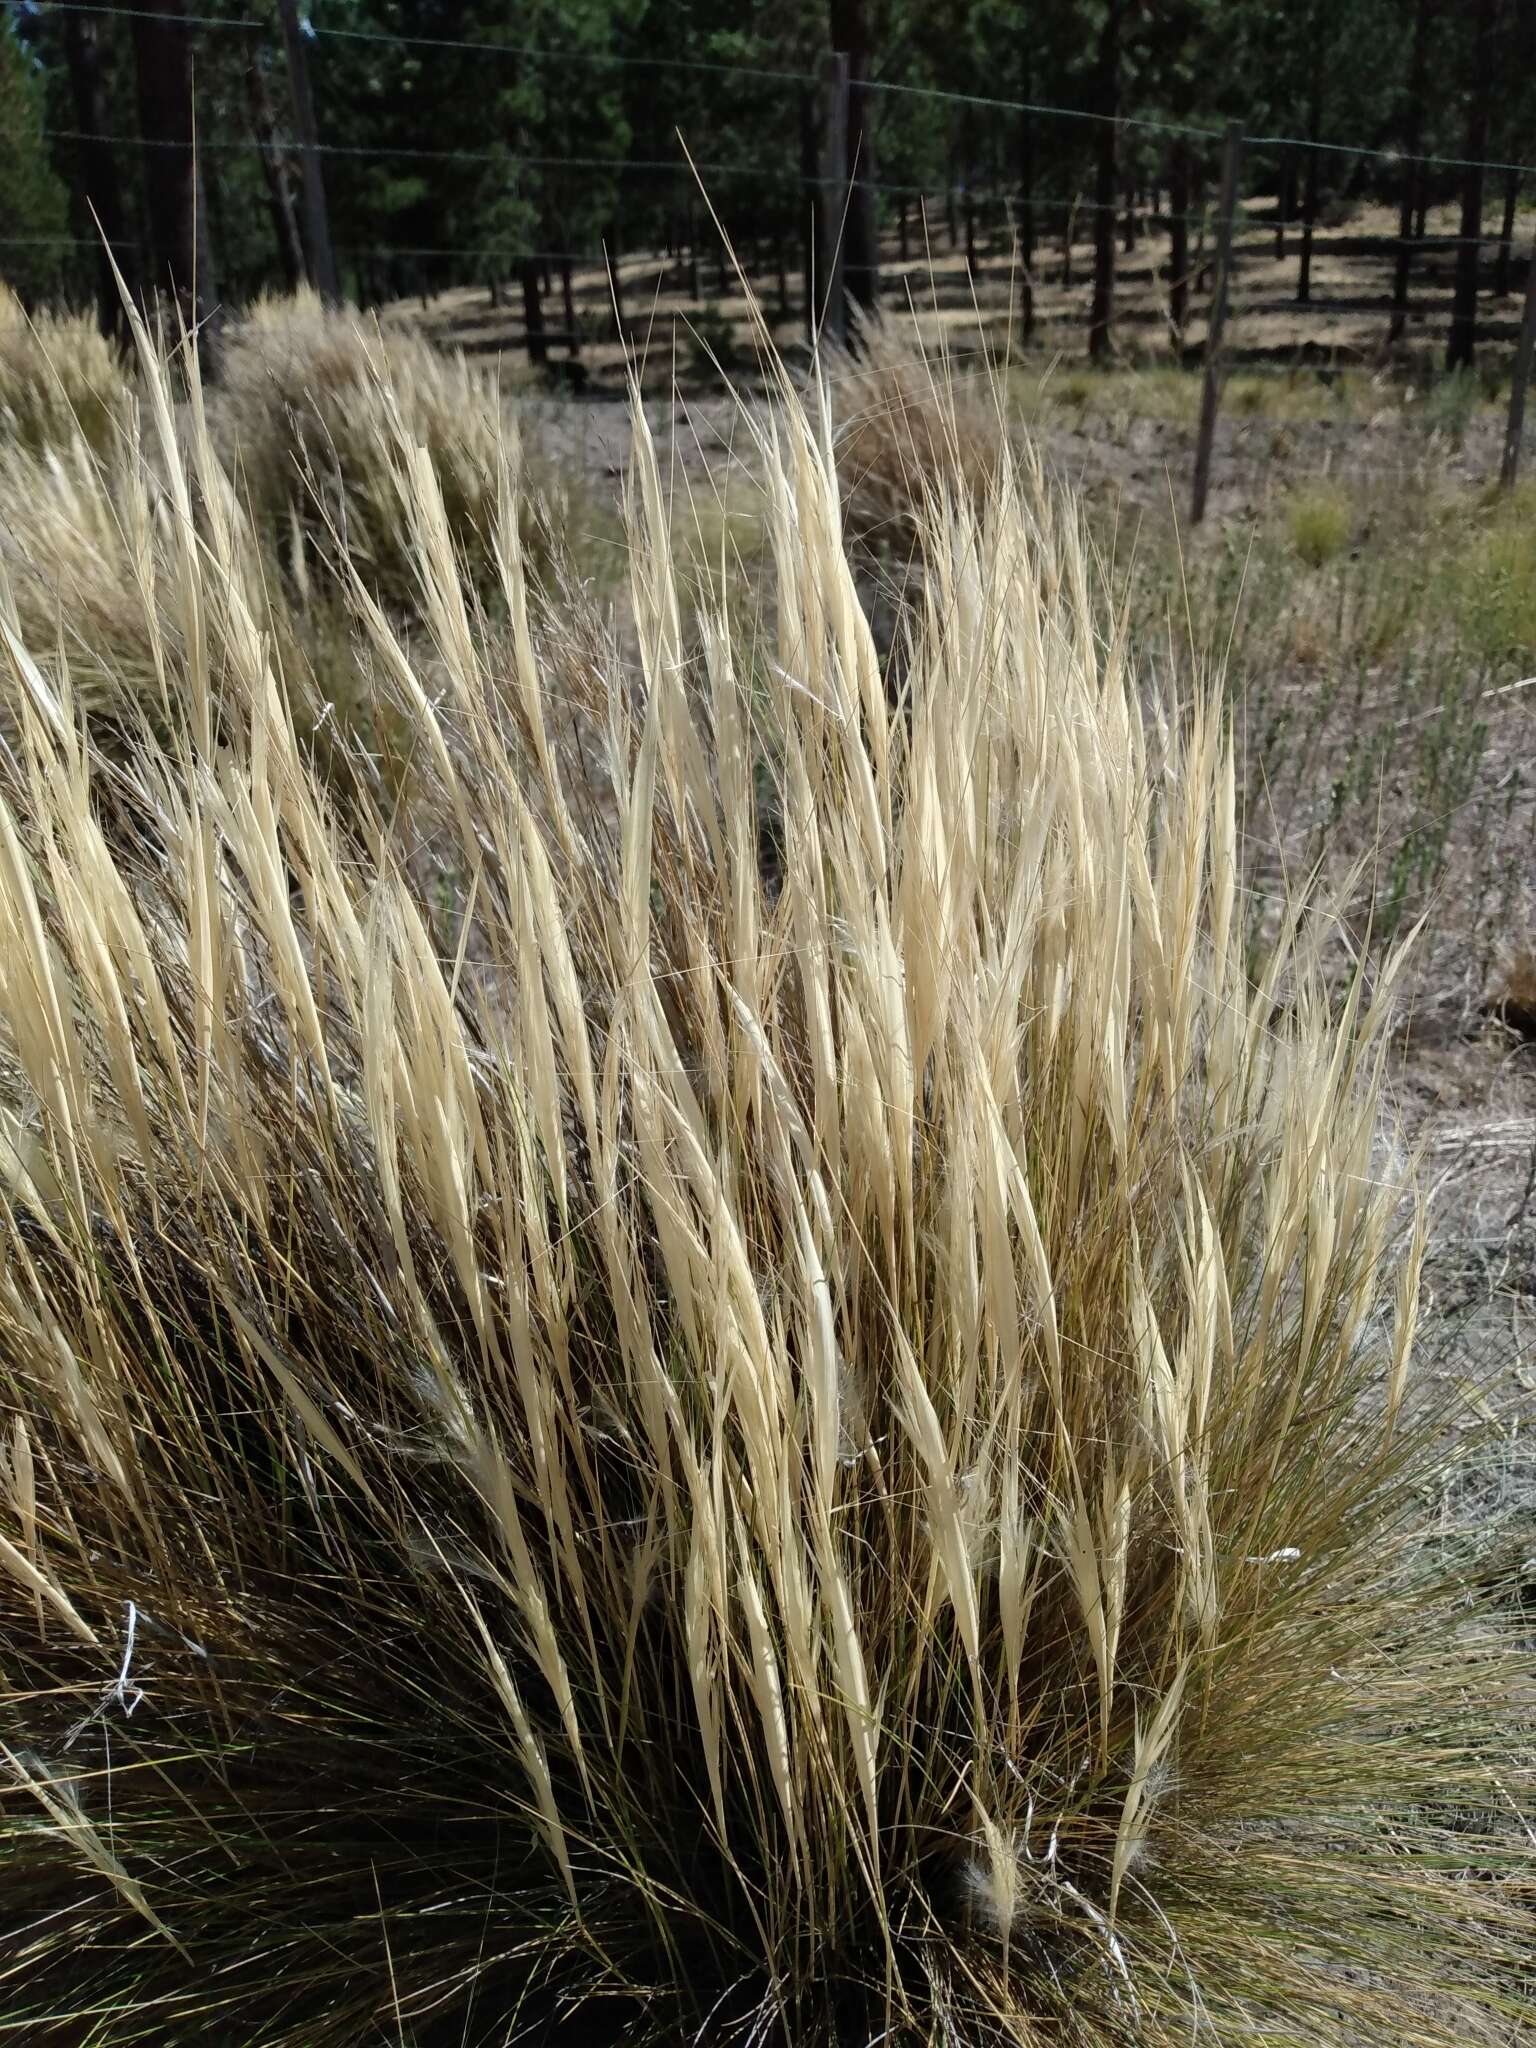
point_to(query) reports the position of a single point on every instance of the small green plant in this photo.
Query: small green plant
(1073, 390)
(1247, 397)
(1319, 520)
(1450, 404)
(1487, 581)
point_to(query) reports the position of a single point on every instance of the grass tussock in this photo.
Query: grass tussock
(909, 430)
(324, 417)
(60, 380)
(92, 562)
(81, 536)
(1487, 580)
(1319, 521)
(598, 1450)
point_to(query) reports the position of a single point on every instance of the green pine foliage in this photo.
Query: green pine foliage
(34, 210)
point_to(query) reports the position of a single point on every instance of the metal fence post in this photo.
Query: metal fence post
(1523, 354)
(1210, 394)
(832, 195)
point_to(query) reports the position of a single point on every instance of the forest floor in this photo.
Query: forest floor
(686, 321)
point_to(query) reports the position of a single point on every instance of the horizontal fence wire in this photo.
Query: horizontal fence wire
(971, 99)
(619, 59)
(409, 152)
(1384, 154)
(1010, 196)
(1150, 222)
(320, 32)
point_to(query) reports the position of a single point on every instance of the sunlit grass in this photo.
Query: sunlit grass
(607, 1442)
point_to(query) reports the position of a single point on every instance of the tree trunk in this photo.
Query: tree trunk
(1068, 233)
(1102, 312)
(1462, 344)
(533, 311)
(809, 210)
(1280, 210)
(1027, 209)
(1178, 241)
(1128, 222)
(210, 208)
(1413, 170)
(612, 252)
(319, 254)
(275, 170)
(568, 309)
(99, 186)
(861, 230)
(902, 229)
(181, 266)
(1200, 260)
(1402, 268)
(1506, 232)
(951, 213)
(968, 192)
(1310, 177)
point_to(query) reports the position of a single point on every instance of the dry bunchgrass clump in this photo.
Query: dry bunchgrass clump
(324, 415)
(909, 430)
(92, 556)
(600, 1452)
(60, 380)
(80, 536)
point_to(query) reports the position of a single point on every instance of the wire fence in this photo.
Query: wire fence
(994, 252)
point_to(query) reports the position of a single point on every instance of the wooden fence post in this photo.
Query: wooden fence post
(1523, 354)
(832, 196)
(1210, 393)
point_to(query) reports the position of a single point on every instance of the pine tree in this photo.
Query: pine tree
(35, 208)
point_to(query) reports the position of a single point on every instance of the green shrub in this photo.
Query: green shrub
(1073, 389)
(34, 255)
